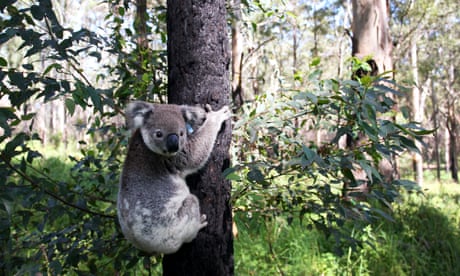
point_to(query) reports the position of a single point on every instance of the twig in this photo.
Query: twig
(53, 195)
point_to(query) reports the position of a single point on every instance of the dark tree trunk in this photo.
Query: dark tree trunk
(199, 74)
(140, 25)
(452, 123)
(452, 127)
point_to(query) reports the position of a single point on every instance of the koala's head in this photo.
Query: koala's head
(163, 127)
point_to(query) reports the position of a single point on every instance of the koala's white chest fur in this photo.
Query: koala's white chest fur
(156, 211)
(164, 231)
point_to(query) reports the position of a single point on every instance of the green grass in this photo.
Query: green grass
(423, 240)
(272, 247)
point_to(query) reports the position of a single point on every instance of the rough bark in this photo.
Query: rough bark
(140, 25)
(452, 124)
(198, 73)
(452, 127)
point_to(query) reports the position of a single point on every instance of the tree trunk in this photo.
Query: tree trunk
(437, 155)
(237, 56)
(417, 114)
(198, 74)
(371, 37)
(452, 127)
(446, 148)
(452, 124)
(371, 33)
(140, 25)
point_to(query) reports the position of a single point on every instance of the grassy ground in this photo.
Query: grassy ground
(424, 240)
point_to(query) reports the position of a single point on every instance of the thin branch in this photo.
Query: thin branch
(54, 180)
(51, 194)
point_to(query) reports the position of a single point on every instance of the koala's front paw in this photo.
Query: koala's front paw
(223, 114)
(203, 221)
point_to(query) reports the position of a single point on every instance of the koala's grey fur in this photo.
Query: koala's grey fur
(156, 210)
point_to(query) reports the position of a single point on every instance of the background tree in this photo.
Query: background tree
(198, 59)
(67, 69)
(372, 46)
(371, 34)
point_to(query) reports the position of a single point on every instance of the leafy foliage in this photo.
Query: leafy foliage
(335, 188)
(423, 240)
(58, 223)
(58, 216)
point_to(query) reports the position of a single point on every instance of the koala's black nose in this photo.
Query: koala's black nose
(172, 143)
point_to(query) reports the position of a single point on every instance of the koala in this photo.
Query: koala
(156, 211)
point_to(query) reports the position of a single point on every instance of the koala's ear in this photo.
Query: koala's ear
(136, 113)
(187, 113)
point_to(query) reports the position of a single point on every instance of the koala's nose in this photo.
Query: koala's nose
(172, 143)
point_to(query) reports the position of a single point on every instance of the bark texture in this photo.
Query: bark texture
(371, 38)
(371, 33)
(198, 56)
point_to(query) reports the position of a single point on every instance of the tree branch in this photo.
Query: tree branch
(51, 194)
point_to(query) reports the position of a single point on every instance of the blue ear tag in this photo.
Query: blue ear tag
(189, 128)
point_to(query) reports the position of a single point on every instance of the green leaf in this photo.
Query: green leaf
(309, 154)
(55, 66)
(290, 14)
(10, 148)
(315, 62)
(383, 214)
(28, 66)
(405, 112)
(3, 62)
(121, 11)
(371, 132)
(407, 184)
(37, 12)
(95, 98)
(233, 177)
(95, 54)
(255, 175)
(70, 104)
(371, 172)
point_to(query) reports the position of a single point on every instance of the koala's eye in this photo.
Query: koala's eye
(158, 134)
(181, 133)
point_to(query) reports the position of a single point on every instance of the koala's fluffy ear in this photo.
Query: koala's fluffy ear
(136, 112)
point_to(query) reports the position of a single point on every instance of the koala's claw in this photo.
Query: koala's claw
(203, 221)
(225, 113)
(208, 108)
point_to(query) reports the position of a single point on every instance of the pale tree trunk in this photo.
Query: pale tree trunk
(371, 33)
(434, 103)
(371, 37)
(417, 114)
(198, 70)
(295, 46)
(446, 149)
(237, 56)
